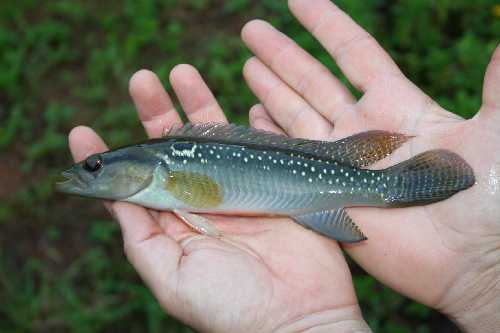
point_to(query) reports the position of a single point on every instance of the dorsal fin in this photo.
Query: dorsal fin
(358, 150)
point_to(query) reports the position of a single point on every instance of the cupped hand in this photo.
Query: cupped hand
(447, 254)
(263, 275)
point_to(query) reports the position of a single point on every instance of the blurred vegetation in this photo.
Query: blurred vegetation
(65, 63)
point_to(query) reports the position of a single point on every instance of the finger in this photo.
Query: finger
(153, 104)
(196, 99)
(149, 249)
(297, 68)
(260, 119)
(491, 89)
(290, 111)
(83, 142)
(355, 51)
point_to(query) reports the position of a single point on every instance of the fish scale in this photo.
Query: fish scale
(256, 176)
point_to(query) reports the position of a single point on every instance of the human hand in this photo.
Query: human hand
(445, 255)
(263, 275)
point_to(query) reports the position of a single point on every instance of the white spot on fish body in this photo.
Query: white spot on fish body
(303, 173)
(493, 181)
(184, 152)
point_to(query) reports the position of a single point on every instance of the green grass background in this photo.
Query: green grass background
(65, 63)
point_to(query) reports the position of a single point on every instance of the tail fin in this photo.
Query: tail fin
(431, 176)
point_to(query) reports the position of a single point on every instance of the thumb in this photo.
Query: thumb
(491, 88)
(153, 253)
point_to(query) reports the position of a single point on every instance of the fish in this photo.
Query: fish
(231, 169)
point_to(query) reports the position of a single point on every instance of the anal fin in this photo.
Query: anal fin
(334, 224)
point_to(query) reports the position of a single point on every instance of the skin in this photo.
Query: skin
(256, 278)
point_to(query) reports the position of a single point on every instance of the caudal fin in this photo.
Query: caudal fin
(431, 176)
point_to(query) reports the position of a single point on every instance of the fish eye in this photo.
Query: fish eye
(93, 163)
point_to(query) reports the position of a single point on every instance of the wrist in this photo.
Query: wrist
(342, 320)
(483, 320)
(473, 302)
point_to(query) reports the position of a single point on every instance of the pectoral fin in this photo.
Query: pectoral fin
(194, 189)
(334, 224)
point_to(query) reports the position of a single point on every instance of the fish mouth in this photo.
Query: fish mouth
(70, 182)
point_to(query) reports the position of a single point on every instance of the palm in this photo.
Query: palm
(423, 252)
(256, 278)
(445, 236)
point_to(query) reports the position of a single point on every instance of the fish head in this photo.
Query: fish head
(113, 175)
